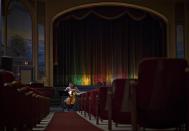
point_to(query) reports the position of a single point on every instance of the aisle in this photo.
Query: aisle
(70, 121)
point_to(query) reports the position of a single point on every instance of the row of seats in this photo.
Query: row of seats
(22, 106)
(158, 99)
(105, 103)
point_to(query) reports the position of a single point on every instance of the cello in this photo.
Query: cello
(71, 99)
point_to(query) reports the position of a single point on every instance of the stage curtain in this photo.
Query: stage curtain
(98, 45)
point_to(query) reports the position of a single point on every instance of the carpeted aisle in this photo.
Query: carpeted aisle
(70, 121)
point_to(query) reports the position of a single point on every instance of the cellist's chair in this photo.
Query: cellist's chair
(159, 96)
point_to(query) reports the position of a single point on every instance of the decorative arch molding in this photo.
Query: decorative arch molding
(26, 5)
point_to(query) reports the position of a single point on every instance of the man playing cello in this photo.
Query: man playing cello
(71, 99)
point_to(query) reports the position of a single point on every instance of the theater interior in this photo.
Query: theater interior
(128, 60)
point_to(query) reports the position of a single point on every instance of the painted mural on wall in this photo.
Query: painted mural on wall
(19, 44)
(19, 33)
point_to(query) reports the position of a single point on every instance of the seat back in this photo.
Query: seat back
(36, 85)
(161, 92)
(6, 77)
(121, 101)
(103, 100)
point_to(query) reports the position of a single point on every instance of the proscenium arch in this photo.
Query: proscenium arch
(109, 4)
(90, 5)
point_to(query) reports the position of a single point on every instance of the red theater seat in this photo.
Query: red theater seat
(93, 102)
(6, 77)
(21, 106)
(121, 101)
(111, 103)
(102, 103)
(159, 96)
